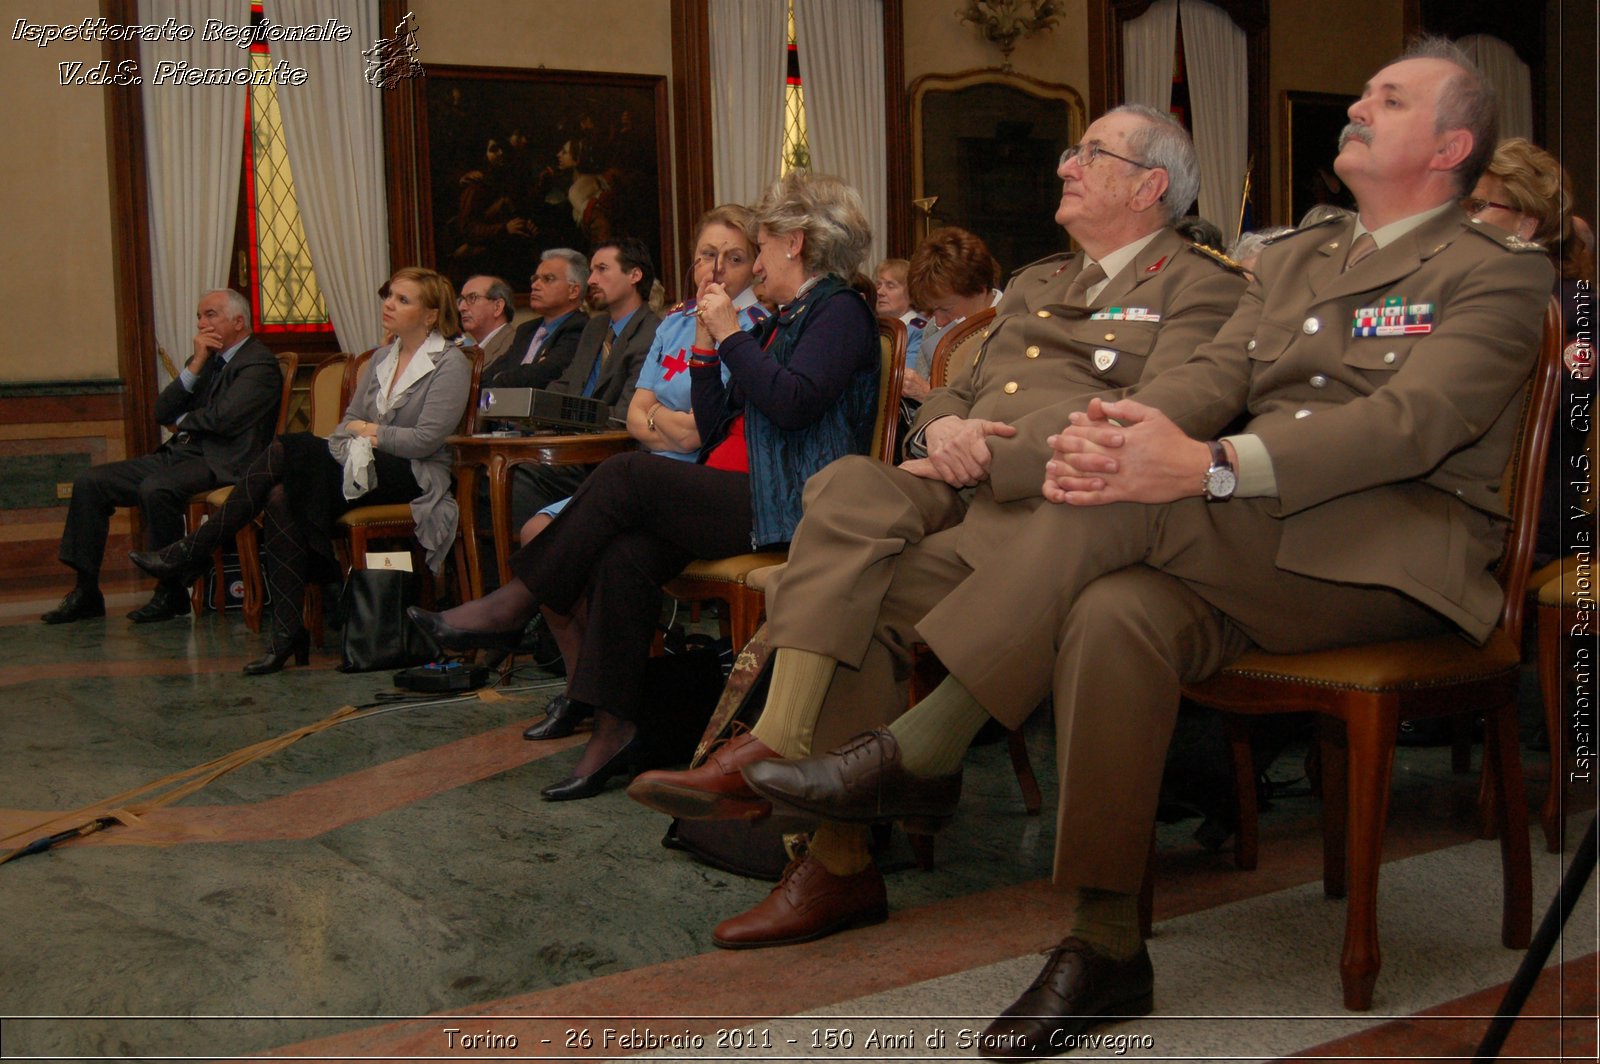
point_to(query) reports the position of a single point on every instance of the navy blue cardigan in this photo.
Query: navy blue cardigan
(806, 380)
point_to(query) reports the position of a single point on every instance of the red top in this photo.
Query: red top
(733, 453)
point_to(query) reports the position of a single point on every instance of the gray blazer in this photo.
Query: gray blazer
(416, 426)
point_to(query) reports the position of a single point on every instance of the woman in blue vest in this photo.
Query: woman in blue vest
(801, 391)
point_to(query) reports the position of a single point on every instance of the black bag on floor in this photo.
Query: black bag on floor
(754, 848)
(375, 633)
(682, 687)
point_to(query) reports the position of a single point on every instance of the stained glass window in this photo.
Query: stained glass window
(284, 295)
(796, 149)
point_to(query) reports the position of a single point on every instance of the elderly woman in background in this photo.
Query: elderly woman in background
(660, 416)
(894, 301)
(801, 392)
(1526, 191)
(389, 448)
(955, 277)
(1246, 251)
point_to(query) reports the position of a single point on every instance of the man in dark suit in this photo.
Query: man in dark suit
(222, 408)
(542, 348)
(606, 364)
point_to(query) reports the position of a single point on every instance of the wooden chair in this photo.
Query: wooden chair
(1560, 590)
(1361, 694)
(201, 502)
(325, 407)
(726, 579)
(958, 347)
(388, 521)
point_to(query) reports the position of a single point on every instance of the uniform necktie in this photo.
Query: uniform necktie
(1360, 248)
(605, 346)
(1088, 277)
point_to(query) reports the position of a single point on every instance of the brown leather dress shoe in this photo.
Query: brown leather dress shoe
(808, 902)
(715, 790)
(1078, 987)
(861, 782)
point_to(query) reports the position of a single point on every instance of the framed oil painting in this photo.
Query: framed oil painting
(513, 162)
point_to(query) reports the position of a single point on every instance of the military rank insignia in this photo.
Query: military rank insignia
(1395, 318)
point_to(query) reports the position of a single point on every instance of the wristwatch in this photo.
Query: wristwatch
(1220, 480)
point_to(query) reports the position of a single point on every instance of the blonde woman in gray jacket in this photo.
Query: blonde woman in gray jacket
(389, 448)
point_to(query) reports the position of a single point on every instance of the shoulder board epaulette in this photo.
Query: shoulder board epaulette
(1314, 227)
(1508, 240)
(1048, 259)
(1218, 257)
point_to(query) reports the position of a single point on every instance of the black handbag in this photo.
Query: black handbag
(375, 633)
(754, 848)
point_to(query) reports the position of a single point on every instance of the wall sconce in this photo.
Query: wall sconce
(1003, 21)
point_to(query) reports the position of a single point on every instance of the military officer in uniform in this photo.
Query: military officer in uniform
(1380, 360)
(880, 545)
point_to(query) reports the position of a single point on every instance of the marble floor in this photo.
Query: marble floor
(392, 887)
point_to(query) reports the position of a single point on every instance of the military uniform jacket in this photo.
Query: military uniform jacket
(1387, 397)
(1044, 359)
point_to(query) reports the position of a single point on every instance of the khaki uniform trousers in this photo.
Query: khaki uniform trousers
(875, 552)
(1110, 609)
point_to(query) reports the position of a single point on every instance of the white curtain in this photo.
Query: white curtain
(194, 140)
(1219, 94)
(749, 41)
(333, 128)
(1511, 80)
(841, 66)
(1148, 45)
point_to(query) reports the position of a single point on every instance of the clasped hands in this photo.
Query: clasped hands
(1123, 452)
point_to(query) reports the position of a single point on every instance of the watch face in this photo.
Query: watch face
(1220, 482)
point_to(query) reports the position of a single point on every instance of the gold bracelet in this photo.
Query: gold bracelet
(650, 418)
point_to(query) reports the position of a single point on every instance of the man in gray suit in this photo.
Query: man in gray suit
(487, 307)
(222, 407)
(606, 364)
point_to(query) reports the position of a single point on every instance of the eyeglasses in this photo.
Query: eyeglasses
(1478, 206)
(1086, 154)
(469, 298)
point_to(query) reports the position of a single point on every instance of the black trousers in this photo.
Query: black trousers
(159, 484)
(632, 526)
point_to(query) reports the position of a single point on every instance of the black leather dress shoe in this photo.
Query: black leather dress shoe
(80, 604)
(561, 718)
(1078, 987)
(626, 759)
(447, 637)
(168, 602)
(177, 563)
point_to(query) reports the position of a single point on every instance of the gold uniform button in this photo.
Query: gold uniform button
(1311, 326)
(1110, 337)
(1251, 346)
(1044, 313)
(1032, 351)
(1302, 413)
(1319, 381)
(1011, 387)
(1389, 358)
